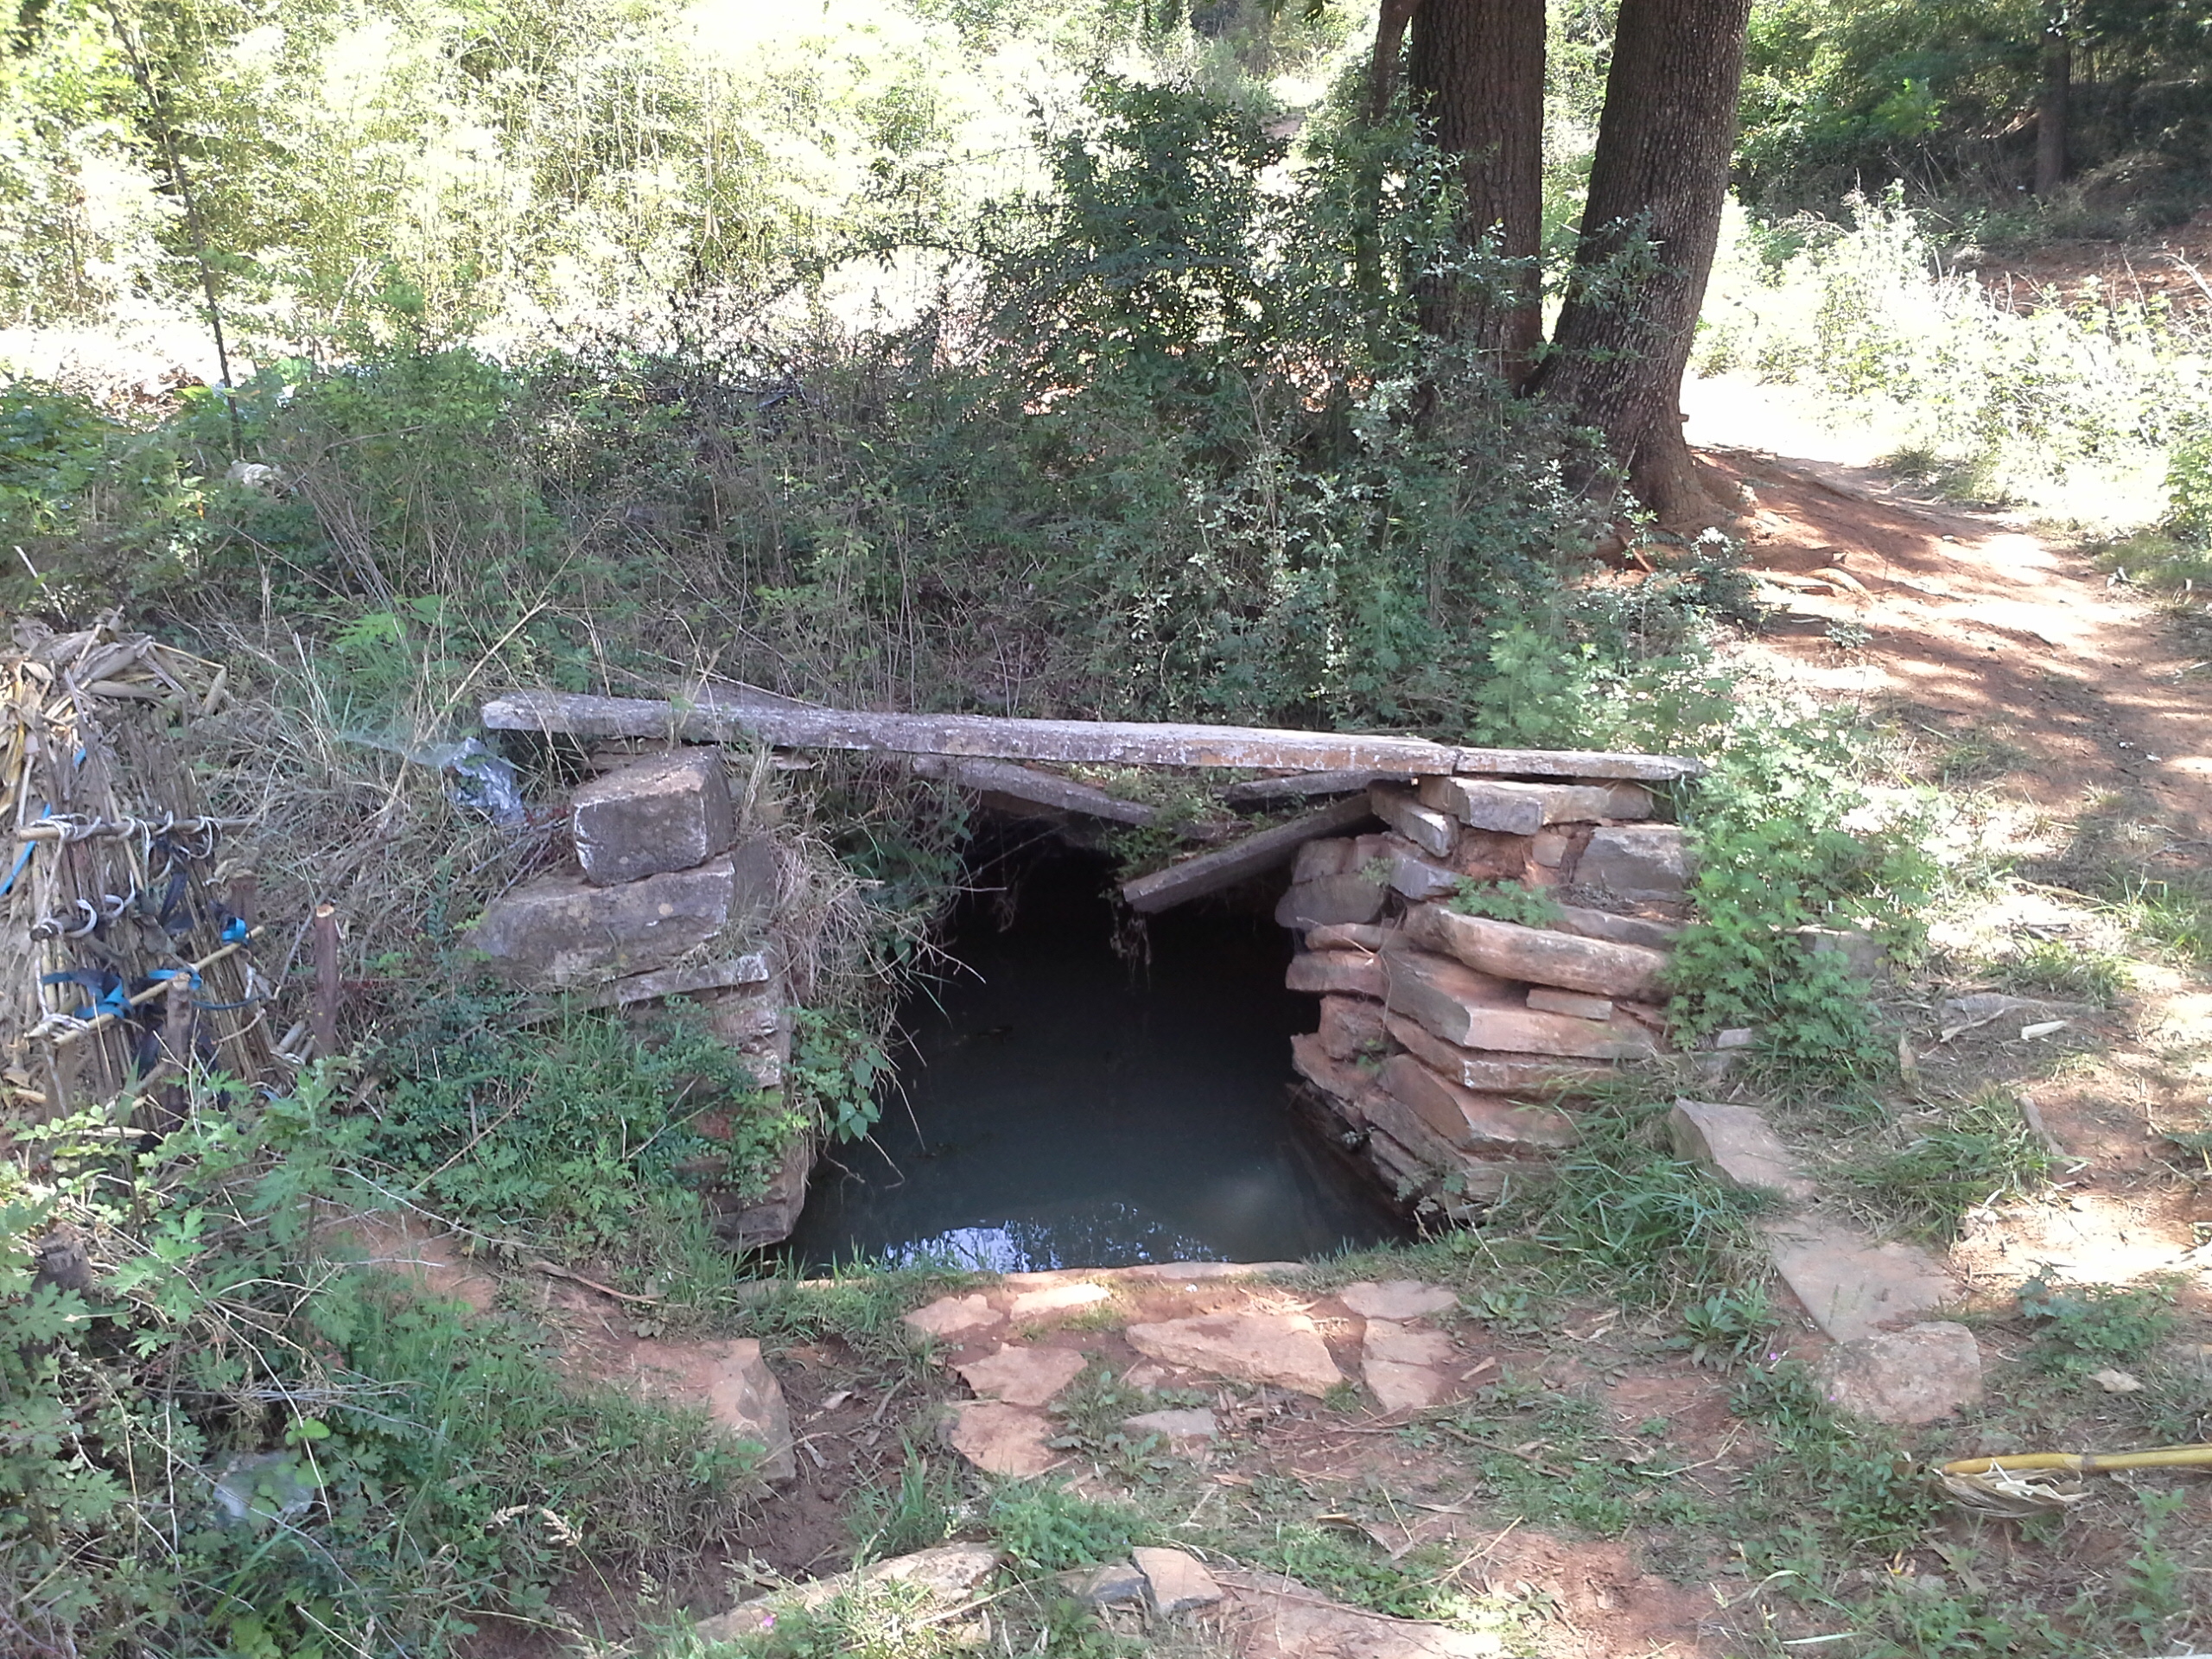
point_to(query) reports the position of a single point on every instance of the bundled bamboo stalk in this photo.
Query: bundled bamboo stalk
(121, 961)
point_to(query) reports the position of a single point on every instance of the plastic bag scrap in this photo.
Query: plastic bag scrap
(480, 780)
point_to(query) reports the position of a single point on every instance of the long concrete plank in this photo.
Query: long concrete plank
(716, 719)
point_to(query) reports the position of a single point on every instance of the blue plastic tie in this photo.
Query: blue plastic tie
(235, 931)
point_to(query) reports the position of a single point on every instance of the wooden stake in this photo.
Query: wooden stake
(326, 989)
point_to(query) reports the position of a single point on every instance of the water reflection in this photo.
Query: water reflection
(1064, 1111)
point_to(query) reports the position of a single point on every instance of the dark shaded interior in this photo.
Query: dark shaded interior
(1068, 1104)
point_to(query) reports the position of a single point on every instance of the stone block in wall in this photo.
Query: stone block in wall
(1485, 855)
(1621, 930)
(665, 812)
(1317, 859)
(769, 1218)
(1337, 973)
(1637, 862)
(1537, 955)
(1488, 1071)
(1478, 1010)
(1351, 1087)
(1404, 868)
(1433, 832)
(1472, 1121)
(1328, 901)
(1546, 999)
(561, 931)
(1351, 1026)
(1348, 935)
(1524, 809)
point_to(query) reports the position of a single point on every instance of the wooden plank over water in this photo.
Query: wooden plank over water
(715, 718)
(1226, 866)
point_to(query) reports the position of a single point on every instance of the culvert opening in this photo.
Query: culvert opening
(1066, 1104)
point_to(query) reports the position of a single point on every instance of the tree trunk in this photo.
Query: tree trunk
(1660, 173)
(2050, 110)
(1476, 72)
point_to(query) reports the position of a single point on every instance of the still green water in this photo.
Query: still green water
(1065, 1107)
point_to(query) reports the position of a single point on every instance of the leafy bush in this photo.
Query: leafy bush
(228, 1440)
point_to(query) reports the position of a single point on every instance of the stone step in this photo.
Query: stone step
(1738, 1144)
(1851, 1286)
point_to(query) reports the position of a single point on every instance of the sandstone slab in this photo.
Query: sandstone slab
(1416, 878)
(1192, 1425)
(1913, 1375)
(1397, 1299)
(1740, 1145)
(1851, 1286)
(1481, 1069)
(1002, 1439)
(1346, 936)
(1537, 955)
(1638, 862)
(1175, 1581)
(1328, 901)
(1337, 973)
(1397, 1387)
(1576, 1005)
(1058, 1297)
(1350, 1086)
(1281, 1349)
(732, 1382)
(666, 812)
(561, 931)
(1621, 930)
(1351, 1026)
(1405, 1345)
(1524, 809)
(1432, 832)
(1022, 1376)
(1275, 1617)
(1473, 1122)
(1475, 1010)
(1116, 1584)
(954, 1315)
(1317, 859)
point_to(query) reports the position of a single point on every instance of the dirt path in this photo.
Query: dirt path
(1973, 622)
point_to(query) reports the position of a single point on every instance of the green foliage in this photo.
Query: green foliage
(1775, 854)
(920, 1510)
(1947, 1161)
(1044, 1527)
(1507, 901)
(1627, 1214)
(1727, 1327)
(2188, 483)
(581, 1132)
(344, 1465)
(2085, 1327)
(834, 1071)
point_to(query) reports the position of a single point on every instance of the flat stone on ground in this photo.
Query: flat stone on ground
(1396, 1298)
(1002, 1439)
(1177, 1582)
(1282, 1349)
(1739, 1144)
(952, 1316)
(1275, 1617)
(1192, 1425)
(1404, 1387)
(1913, 1375)
(1022, 1376)
(734, 1382)
(1851, 1286)
(1405, 1345)
(1056, 1298)
(1116, 1584)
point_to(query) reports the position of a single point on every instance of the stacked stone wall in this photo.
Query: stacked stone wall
(1453, 1050)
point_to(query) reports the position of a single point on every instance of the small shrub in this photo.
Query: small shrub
(2082, 1328)
(1970, 1154)
(1046, 1528)
(1727, 1327)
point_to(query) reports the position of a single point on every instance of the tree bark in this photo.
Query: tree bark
(1659, 179)
(1477, 73)
(2050, 110)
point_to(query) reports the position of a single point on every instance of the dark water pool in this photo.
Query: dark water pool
(1065, 1107)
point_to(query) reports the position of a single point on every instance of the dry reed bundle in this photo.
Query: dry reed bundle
(125, 949)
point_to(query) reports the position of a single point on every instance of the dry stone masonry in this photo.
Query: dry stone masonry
(1451, 1047)
(669, 897)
